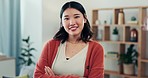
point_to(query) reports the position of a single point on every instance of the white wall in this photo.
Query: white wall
(31, 22)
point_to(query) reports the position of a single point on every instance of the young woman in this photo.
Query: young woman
(71, 53)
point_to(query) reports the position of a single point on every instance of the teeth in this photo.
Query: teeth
(73, 27)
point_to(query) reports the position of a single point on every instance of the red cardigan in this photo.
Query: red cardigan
(94, 65)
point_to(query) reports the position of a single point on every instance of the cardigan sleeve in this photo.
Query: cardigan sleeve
(42, 62)
(96, 69)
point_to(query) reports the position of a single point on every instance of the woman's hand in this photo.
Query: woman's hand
(48, 71)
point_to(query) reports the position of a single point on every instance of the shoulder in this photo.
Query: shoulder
(96, 49)
(95, 44)
(52, 42)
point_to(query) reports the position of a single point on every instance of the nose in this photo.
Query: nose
(72, 21)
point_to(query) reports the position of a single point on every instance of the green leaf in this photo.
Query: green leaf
(31, 49)
(29, 62)
(133, 18)
(24, 49)
(23, 54)
(26, 40)
(115, 30)
(21, 58)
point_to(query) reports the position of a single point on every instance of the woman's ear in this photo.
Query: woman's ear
(85, 20)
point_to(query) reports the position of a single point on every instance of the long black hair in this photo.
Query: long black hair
(86, 33)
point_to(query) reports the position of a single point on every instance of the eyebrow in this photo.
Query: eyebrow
(68, 15)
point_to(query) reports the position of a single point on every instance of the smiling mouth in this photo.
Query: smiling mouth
(73, 28)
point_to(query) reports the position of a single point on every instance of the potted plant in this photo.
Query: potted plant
(26, 57)
(115, 34)
(129, 60)
(133, 20)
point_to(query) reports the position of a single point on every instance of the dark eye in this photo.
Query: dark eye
(77, 16)
(66, 18)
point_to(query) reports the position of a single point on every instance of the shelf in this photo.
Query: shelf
(129, 76)
(117, 74)
(144, 60)
(111, 72)
(111, 16)
(116, 25)
(111, 58)
(144, 77)
(136, 43)
(132, 7)
(118, 42)
(135, 25)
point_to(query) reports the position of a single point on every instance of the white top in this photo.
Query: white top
(75, 65)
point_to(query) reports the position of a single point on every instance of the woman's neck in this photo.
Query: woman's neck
(73, 39)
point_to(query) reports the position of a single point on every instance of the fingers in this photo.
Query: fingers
(48, 71)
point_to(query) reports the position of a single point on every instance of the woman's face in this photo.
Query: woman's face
(73, 21)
